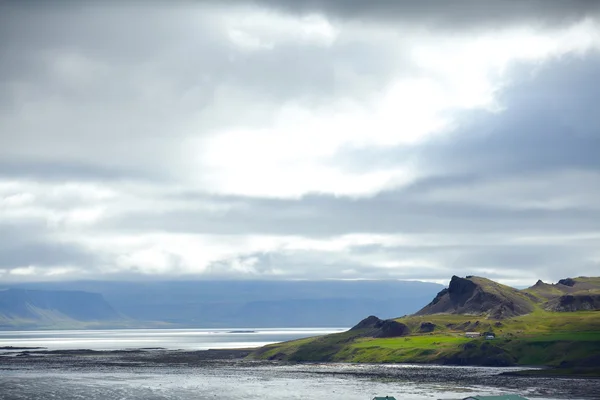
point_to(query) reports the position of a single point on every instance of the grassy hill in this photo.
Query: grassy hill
(536, 337)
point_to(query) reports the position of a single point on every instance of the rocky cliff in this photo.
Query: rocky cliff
(477, 296)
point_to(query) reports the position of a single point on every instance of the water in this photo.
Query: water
(184, 339)
(318, 382)
(138, 376)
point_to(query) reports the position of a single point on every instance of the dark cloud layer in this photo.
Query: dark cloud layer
(457, 15)
(25, 245)
(550, 123)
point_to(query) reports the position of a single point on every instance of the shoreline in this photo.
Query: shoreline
(132, 363)
(158, 356)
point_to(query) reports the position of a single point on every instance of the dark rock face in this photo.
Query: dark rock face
(479, 296)
(379, 328)
(460, 290)
(576, 302)
(427, 327)
(439, 296)
(567, 282)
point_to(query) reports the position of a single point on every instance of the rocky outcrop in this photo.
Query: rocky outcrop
(479, 296)
(380, 328)
(568, 295)
(427, 327)
(574, 302)
(567, 282)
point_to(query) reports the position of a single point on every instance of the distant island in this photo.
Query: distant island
(474, 321)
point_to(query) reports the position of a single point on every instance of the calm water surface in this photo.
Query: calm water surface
(184, 339)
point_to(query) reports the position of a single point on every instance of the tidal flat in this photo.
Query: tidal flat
(172, 374)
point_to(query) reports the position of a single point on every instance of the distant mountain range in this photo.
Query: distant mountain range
(23, 308)
(207, 304)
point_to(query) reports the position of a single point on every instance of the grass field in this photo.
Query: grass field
(421, 342)
(540, 338)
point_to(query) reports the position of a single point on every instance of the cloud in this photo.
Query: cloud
(456, 15)
(297, 140)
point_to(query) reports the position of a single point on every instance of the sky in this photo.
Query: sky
(318, 139)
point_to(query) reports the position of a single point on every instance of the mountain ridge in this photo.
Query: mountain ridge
(250, 304)
(475, 295)
(45, 308)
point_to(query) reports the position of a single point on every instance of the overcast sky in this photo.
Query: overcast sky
(289, 139)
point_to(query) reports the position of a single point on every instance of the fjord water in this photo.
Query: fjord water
(172, 339)
(91, 377)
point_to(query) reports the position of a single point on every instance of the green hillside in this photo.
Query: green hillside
(539, 337)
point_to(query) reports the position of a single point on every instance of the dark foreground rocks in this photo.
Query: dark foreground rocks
(138, 358)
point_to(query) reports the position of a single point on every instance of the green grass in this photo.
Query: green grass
(539, 338)
(420, 342)
(537, 322)
(564, 337)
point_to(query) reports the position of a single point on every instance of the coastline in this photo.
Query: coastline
(17, 357)
(127, 364)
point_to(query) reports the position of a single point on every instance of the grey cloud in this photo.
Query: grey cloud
(57, 171)
(496, 262)
(499, 259)
(146, 70)
(178, 42)
(325, 216)
(125, 85)
(550, 123)
(23, 245)
(528, 142)
(308, 265)
(457, 15)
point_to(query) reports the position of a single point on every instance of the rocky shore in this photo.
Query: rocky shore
(153, 359)
(139, 358)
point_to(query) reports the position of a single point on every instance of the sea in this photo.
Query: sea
(171, 339)
(245, 380)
